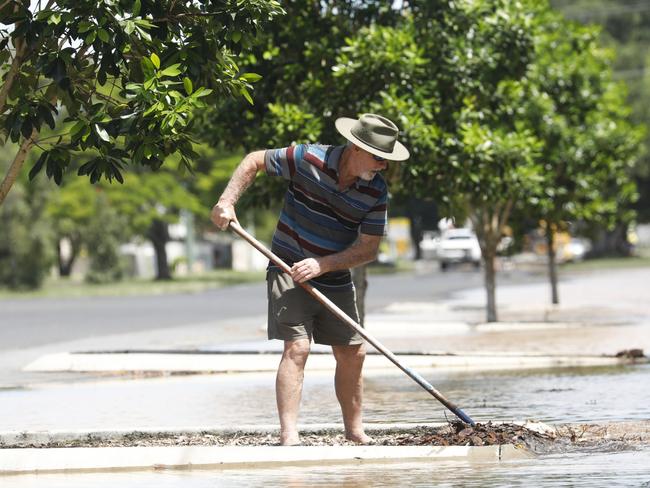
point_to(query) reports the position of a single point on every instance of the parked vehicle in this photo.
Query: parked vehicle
(458, 246)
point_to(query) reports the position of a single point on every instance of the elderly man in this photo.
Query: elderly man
(333, 219)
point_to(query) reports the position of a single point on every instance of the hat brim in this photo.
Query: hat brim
(344, 126)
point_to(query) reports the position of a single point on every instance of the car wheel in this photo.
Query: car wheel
(444, 265)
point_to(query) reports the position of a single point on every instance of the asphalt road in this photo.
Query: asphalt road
(29, 323)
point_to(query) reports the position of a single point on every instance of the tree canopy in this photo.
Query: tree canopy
(120, 78)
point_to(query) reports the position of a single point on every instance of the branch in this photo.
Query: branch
(7, 2)
(506, 214)
(11, 75)
(16, 165)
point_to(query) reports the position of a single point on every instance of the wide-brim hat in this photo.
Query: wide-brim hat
(375, 134)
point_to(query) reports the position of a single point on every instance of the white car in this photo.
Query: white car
(458, 246)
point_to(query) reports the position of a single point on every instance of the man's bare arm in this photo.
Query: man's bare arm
(243, 176)
(363, 251)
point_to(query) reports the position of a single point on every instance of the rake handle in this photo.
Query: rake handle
(332, 307)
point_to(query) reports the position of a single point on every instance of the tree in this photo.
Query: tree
(588, 146)
(72, 212)
(150, 202)
(117, 77)
(625, 29)
(103, 236)
(470, 149)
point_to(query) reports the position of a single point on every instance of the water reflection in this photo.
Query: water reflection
(628, 468)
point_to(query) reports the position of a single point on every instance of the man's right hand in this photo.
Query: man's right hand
(222, 215)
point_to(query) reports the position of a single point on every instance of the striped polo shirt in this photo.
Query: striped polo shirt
(317, 219)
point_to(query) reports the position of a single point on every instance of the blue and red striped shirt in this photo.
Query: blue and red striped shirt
(317, 218)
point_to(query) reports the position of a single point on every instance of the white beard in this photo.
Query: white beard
(368, 175)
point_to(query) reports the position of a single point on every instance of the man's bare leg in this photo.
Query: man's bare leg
(348, 382)
(288, 388)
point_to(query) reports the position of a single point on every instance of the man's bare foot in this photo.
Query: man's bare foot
(289, 439)
(359, 438)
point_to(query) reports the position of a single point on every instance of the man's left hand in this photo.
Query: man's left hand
(306, 270)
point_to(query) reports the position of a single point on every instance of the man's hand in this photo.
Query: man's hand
(306, 269)
(222, 215)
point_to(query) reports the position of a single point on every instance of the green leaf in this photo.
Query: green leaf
(202, 92)
(39, 165)
(187, 83)
(84, 26)
(145, 23)
(236, 36)
(155, 60)
(129, 27)
(137, 5)
(90, 38)
(251, 77)
(103, 35)
(171, 70)
(145, 35)
(102, 133)
(246, 94)
(147, 68)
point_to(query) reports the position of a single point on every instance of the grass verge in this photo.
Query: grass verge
(606, 263)
(66, 288)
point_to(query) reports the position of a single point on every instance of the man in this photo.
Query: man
(333, 219)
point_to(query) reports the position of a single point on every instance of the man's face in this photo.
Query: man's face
(370, 165)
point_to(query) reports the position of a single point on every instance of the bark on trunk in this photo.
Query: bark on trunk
(159, 237)
(360, 280)
(16, 165)
(552, 263)
(65, 265)
(490, 287)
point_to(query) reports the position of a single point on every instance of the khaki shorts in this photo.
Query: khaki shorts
(295, 314)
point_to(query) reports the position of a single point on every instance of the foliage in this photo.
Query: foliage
(579, 112)
(119, 77)
(103, 237)
(626, 30)
(26, 240)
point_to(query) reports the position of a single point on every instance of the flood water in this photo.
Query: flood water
(553, 396)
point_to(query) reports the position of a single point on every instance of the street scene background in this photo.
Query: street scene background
(517, 253)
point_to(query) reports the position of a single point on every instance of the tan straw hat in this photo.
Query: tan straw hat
(375, 134)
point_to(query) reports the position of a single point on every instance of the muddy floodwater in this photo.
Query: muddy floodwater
(555, 396)
(552, 396)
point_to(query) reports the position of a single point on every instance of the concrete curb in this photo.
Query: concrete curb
(15, 461)
(219, 362)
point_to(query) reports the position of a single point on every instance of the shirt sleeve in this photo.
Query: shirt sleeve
(376, 220)
(283, 162)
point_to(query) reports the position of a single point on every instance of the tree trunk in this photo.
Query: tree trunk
(159, 238)
(552, 263)
(360, 280)
(65, 265)
(490, 286)
(16, 165)
(488, 225)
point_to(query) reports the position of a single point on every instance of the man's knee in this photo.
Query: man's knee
(351, 355)
(296, 351)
